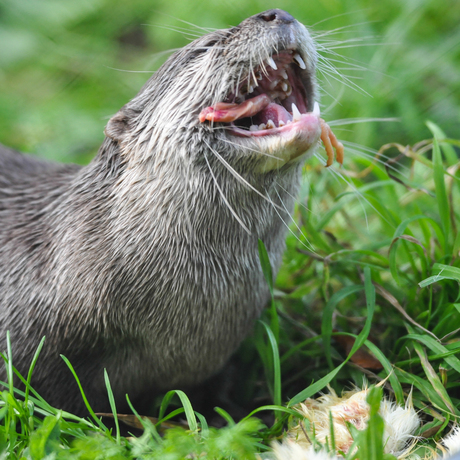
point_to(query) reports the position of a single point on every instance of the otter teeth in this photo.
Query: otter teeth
(295, 113)
(272, 64)
(284, 74)
(270, 124)
(316, 110)
(299, 61)
(274, 84)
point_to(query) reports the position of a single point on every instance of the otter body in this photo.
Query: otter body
(145, 262)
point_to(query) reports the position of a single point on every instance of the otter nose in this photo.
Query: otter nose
(276, 15)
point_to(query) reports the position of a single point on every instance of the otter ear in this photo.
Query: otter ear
(118, 126)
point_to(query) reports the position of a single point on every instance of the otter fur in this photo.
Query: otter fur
(145, 262)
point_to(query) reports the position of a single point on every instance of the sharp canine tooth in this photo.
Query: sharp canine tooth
(272, 64)
(295, 113)
(253, 128)
(270, 124)
(316, 110)
(284, 74)
(299, 61)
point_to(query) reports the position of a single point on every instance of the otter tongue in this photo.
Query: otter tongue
(225, 112)
(274, 112)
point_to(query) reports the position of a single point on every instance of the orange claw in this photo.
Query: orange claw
(330, 142)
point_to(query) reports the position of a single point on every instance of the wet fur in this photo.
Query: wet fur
(136, 263)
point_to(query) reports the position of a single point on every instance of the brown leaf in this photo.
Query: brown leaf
(362, 357)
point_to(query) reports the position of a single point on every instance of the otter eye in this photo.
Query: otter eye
(210, 44)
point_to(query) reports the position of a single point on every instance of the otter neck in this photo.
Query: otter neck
(199, 200)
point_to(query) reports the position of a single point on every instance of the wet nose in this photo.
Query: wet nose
(277, 16)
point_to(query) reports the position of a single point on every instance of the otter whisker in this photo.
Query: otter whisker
(294, 197)
(129, 71)
(184, 32)
(310, 246)
(290, 229)
(331, 71)
(326, 33)
(329, 46)
(238, 176)
(229, 206)
(356, 46)
(263, 60)
(196, 26)
(327, 68)
(355, 190)
(352, 121)
(245, 147)
(329, 18)
(335, 98)
(378, 157)
(337, 176)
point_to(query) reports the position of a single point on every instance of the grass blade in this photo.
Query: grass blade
(326, 325)
(31, 369)
(186, 404)
(441, 194)
(225, 415)
(113, 406)
(276, 365)
(146, 423)
(360, 340)
(9, 369)
(434, 379)
(268, 274)
(90, 409)
(395, 384)
(438, 348)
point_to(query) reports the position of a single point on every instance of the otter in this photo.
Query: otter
(145, 262)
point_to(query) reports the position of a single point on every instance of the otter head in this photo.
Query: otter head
(246, 94)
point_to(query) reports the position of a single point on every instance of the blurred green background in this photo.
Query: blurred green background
(67, 65)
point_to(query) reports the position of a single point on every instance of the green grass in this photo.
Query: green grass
(374, 254)
(381, 264)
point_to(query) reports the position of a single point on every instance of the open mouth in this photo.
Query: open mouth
(271, 98)
(274, 99)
